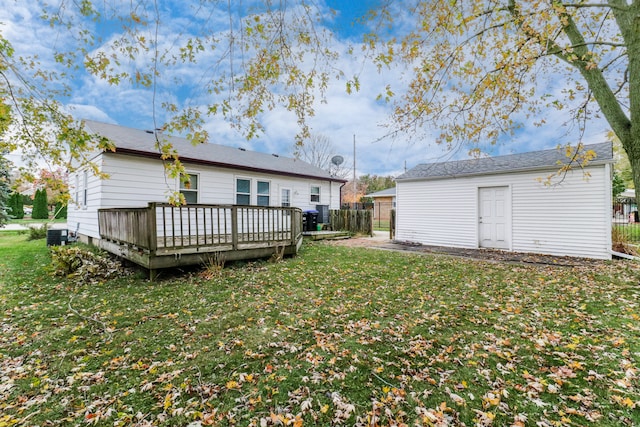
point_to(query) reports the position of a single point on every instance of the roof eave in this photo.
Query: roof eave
(518, 170)
(156, 156)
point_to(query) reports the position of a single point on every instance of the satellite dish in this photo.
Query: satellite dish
(337, 160)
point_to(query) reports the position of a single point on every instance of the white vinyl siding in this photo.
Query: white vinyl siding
(569, 218)
(430, 214)
(83, 216)
(573, 218)
(215, 186)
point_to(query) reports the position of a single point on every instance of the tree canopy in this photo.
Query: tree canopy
(481, 68)
(476, 71)
(375, 183)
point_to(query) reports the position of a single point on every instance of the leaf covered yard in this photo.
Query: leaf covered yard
(335, 336)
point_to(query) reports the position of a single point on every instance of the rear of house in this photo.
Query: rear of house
(218, 175)
(504, 203)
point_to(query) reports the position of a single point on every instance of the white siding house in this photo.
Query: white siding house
(503, 203)
(219, 175)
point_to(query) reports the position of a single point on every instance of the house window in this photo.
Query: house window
(243, 191)
(85, 181)
(189, 187)
(315, 194)
(263, 193)
(285, 198)
(77, 189)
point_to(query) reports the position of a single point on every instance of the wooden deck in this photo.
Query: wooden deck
(164, 236)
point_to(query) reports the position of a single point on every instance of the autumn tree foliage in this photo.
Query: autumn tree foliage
(477, 70)
(481, 68)
(270, 54)
(55, 183)
(375, 183)
(41, 129)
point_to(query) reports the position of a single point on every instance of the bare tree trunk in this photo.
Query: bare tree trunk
(634, 160)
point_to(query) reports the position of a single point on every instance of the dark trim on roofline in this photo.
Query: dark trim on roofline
(519, 170)
(156, 156)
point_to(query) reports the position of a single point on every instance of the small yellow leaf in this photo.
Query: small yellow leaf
(628, 402)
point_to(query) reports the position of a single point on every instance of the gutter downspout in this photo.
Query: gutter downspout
(340, 201)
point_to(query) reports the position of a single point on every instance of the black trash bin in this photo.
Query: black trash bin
(310, 220)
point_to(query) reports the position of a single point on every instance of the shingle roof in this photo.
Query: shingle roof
(141, 142)
(383, 193)
(501, 164)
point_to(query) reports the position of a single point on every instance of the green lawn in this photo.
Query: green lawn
(334, 336)
(29, 220)
(381, 224)
(630, 231)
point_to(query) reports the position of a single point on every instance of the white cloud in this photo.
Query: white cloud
(89, 112)
(342, 117)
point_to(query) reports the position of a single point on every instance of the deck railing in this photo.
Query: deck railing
(164, 227)
(127, 225)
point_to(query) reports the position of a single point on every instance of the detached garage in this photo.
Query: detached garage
(503, 203)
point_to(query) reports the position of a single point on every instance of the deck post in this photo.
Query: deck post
(152, 231)
(293, 225)
(234, 227)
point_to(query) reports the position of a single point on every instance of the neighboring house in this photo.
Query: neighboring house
(625, 208)
(219, 175)
(383, 202)
(502, 202)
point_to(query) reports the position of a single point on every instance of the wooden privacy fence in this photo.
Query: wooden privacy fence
(353, 221)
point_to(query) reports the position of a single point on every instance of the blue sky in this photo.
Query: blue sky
(340, 119)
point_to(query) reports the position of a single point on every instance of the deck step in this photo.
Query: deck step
(326, 234)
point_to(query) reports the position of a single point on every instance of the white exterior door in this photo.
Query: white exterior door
(494, 209)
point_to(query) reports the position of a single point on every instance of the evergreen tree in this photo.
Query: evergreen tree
(40, 209)
(16, 207)
(19, 206)
(10, 206)
(4, 190)
(60, 210)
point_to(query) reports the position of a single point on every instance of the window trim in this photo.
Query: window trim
(77, 190)
(237, 193)
(282, 203)
(259, 195)
(195, 191)
(311, 194)
(85, 185)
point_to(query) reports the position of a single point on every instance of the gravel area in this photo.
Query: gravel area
(381, 241)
